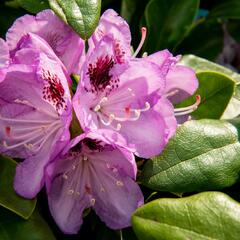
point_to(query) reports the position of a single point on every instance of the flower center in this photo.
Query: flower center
(88, 174)
(99, 74)
(108, 111)
(53, 90)
(26, 133)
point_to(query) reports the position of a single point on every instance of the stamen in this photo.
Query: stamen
(43, 140)
(97, 108)
(29, 146)
(172, 93)
(136, 112)
(189, 109)
(103, 100)
(65, 176)
(8, 147)
(144, 34)
(14, 120)
(70, 191)
(119, 183)
(27, 103)
(119, 126)
(92, 201)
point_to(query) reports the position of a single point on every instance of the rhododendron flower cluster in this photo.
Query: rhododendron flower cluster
(124, 105)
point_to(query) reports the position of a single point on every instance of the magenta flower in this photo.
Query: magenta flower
(128, 94)
(95, 170)
(66, 44)
(35, 111)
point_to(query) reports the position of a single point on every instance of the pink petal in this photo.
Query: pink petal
(111, 22)
(184, 80)
(29, 177)
(69, 219)
(152, 130)
(57, 34)
(116, 204)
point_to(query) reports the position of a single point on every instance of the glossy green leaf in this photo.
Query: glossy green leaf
(81, 15)
(216, 90)
(200, 64)
(14, 227)
(229, 9)
(8, 198)
(204, 216)
(168, 22)
(203, 155)
(232, 110)
(33, 6)
(204, 40)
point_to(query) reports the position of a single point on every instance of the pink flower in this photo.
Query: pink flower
(95, 170)
(131, 95)
(35, 111)
(66, 44)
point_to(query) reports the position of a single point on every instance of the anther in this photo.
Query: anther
(65, 176)
(92, 201)
(85, 158)
(97, 108)
(119, 126)
(70, 192)
(28, 146)
(119, 183)
(4, 143)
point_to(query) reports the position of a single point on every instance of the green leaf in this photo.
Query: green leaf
(205, 40)
(81, 15)
(33, 6)
(203, 155)
(200, 64)
(216, 90)
(204, 216)
(13, 227)
(226, 10)
(8, 198)
(168, 22)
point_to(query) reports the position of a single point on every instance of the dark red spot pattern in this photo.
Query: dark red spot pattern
(53, 90)
(99, 75)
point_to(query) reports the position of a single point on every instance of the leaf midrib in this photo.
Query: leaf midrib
(177, 227)
(190, 159)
